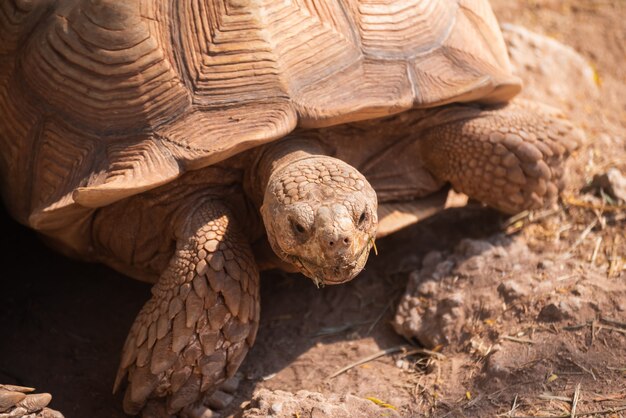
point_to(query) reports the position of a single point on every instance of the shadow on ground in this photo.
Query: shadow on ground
(64, 322)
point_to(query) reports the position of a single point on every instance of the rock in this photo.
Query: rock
(458, 295)
(431, 260)
(497, 364)
(231, 384)
(613, 183)
(220, 400)
(470, 247)
(276, 408)
(281, 404)
(443, 269)
(431, 324)
(441, 296)
(455, 288)
(511, 290)
(538, 59)
(555, 312)
(545, 264)
(427, 288)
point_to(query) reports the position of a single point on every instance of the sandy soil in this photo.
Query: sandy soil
(525, 353)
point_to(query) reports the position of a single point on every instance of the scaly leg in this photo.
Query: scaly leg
(200, 322)
(509, 157)
(15, 401)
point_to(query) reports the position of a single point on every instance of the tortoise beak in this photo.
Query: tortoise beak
(341, 271)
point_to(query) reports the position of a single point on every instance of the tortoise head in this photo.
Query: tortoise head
(320, 216)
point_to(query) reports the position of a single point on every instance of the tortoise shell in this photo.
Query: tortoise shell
(104, 99)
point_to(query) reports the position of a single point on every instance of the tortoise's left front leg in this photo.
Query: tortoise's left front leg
(509, 157)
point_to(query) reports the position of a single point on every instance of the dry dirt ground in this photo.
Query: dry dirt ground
(530, 313)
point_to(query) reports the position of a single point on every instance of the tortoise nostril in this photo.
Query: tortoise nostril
(346, 241)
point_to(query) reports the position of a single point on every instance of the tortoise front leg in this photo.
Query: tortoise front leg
(18, 402)
(509, 157)
(201, 320)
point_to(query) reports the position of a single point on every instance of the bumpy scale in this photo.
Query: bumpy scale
(201, 320)
(509, 157)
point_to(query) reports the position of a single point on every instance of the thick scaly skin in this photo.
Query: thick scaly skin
(15, 401)
(320, 213)
(201, 320)
(510, 157)
(203, 315)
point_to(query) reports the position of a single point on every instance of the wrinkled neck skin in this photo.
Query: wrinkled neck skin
(319, 212)
(276, 156)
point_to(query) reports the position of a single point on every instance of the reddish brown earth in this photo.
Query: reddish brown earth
(63, 322)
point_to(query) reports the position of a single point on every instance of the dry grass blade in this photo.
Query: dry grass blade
(517, 222)
(581, 238)
(621, 331)
(614, 259)
(380, 403)
(327, 331)
(510, 413)
(611, 410)
(516, 218)
(589, 371)
(599, 412)
(462, 407)
(379, 317)
(430, 353)
(596, 249)
(576, 327)
(571, 201)
(575, 401)
(613, 322)
(608, 397)
(367, 359)
(547, 397)
(593, 331)
(518, 340)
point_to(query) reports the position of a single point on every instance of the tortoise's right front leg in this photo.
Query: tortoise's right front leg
(201, 320)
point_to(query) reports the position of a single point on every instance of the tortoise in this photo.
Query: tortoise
(193, 144)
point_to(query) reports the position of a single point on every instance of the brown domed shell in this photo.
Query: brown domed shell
(103, 99)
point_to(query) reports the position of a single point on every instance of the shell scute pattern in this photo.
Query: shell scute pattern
(165, 88)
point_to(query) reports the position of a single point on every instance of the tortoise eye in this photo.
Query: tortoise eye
(298, 227)
(362, 218)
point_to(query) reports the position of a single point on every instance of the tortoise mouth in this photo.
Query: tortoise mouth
(332, 274)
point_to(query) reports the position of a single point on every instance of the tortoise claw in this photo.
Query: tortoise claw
(15, 402)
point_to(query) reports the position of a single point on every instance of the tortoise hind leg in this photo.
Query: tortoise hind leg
(16, 401)
(509, 157)
(200, 322)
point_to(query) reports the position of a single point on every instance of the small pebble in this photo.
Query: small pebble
(613, 183)
(276, 408)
